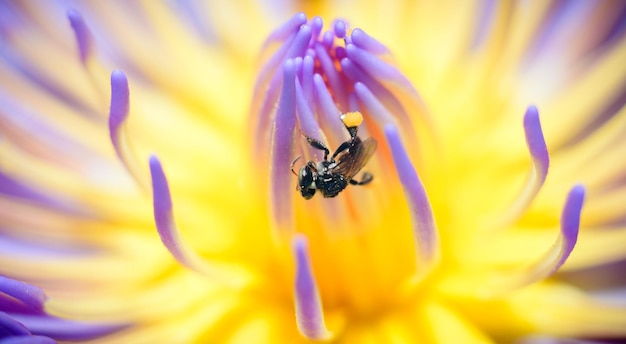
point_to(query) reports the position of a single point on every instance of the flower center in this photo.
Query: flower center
(324, 104)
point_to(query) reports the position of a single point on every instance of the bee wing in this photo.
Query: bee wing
(350, 163)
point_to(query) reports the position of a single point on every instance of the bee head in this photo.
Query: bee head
(306, 182)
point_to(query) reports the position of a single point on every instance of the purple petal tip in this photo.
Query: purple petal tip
(570, 218)
(119, 99)
(340, 28)
(423, 221)
(28, 294)
(309, 312)
(82, 34)
(535, 139)
(161, 192)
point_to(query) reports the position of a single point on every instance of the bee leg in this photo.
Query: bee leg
(293, 163)
(346, 145)
(319, 145)
(367, 177)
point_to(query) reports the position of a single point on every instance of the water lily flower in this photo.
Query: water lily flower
(154, 158)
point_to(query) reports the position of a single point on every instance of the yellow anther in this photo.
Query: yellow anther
(352, 119)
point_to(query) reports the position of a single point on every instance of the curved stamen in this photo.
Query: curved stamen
(537, 147)
(423, 221)
(540, 164)
(229, 274)
(82, 34)
(28, 294)
(164, 220)
(309, 311)
(554, 258)
(118, 113)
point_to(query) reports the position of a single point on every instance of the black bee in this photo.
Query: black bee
(330, 177)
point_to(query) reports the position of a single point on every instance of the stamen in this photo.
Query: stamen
(301, 43)
(378, 68)
(283, 151)
(537, 146)
(82, 33)
(328, 110)
(317, 23)
(232, 275)
(118, 114)
(267, 86)
(309, 311)
(340, 29)
(28, 294)
(373, 105)
(306, 121)
(308, 65)
(422, 219)
(554, 258)
(164, 219)
(540, 165)
(332, 76)
(366, 42)
(284, 31)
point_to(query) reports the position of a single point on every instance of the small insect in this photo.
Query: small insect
(330, 177)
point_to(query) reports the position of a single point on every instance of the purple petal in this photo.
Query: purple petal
(24, 292)
(423, 221)
(283, 149)
(309, 312)
(62, 329)
(484, 23)
(120, 99)
(82, 34)
(27, 340)
(12, 187)
(11, 327)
